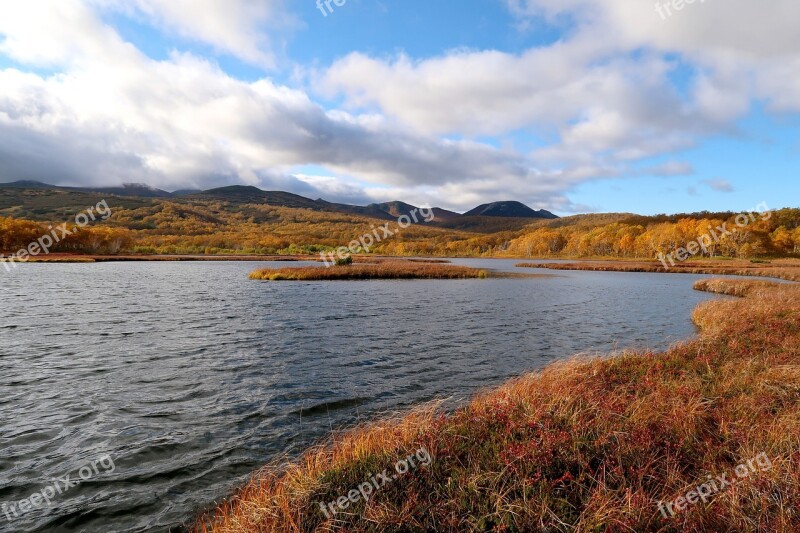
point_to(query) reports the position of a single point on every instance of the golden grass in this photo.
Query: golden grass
(788, 269)
(380, 270)
(733, 287)
(585, 445)
(374, 259)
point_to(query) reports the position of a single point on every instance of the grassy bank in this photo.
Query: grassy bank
(379, 270)
(788, 269)
(126, 258)
(585, 445)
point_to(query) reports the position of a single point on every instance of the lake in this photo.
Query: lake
(187, 377)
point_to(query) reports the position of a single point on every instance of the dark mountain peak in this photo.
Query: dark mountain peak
(395, 208)
(371, 210)
(247, 194)
(27, 184)
(444, 214)
(186, 192)
(141, 190)
(233, 190)
(510, 209)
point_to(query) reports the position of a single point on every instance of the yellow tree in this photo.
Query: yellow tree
(781, 240)
(796, 240)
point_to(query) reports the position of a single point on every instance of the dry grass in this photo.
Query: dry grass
(733, 287)
(374, 259)
(788, 269)
(585, 445)
(380, 270)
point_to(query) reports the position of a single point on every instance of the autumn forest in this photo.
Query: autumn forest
(201, 226)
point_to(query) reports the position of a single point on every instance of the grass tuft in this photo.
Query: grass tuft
(787, 269)
(382, 270)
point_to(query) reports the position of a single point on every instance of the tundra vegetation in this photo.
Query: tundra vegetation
(788, 269)
(396, 269)
(202, 226)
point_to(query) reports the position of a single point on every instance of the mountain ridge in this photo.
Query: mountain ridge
(248, 194)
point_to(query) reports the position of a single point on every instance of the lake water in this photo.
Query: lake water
(187, 377)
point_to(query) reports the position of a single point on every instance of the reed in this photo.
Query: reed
(381, 270)
(781, 269)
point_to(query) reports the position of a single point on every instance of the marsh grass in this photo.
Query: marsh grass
(585, 445)
(381, 270)
(781, 269)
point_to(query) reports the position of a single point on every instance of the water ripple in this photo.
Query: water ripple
(191, 377)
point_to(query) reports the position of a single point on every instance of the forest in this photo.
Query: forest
(218, 227)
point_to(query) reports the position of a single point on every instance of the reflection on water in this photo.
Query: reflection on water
(190, 376)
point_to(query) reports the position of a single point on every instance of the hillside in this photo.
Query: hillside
(249, 195)
(247, 220)
(241, 194)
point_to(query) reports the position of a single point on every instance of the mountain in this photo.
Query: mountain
(511, 209)
(369, 211)
(241, 195)
(27, 184)
(398, 209)
(444, 214)
(244, 194)
(186, 192)
(140, 190)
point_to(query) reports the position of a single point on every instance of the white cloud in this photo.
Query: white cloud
(240, 28)
(113, 115)
(735, 39)
(595, 103)
(184, 123)
(604, 94)
(57, 33)
(719, 185)
(587, 105)
(670, 168)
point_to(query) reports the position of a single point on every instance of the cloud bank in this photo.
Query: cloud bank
(80, 105)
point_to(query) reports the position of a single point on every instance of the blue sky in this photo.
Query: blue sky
(571, 106)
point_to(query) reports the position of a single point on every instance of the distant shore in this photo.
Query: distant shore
(83, 258)
(786, 269)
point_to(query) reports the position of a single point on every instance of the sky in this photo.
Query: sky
(573, 106)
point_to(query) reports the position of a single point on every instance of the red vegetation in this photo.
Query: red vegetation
(380, 270)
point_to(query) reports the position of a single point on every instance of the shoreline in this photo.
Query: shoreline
(784, 269)
(665, 419)
(123, 258)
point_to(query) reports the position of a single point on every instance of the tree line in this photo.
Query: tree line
(217, 228)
